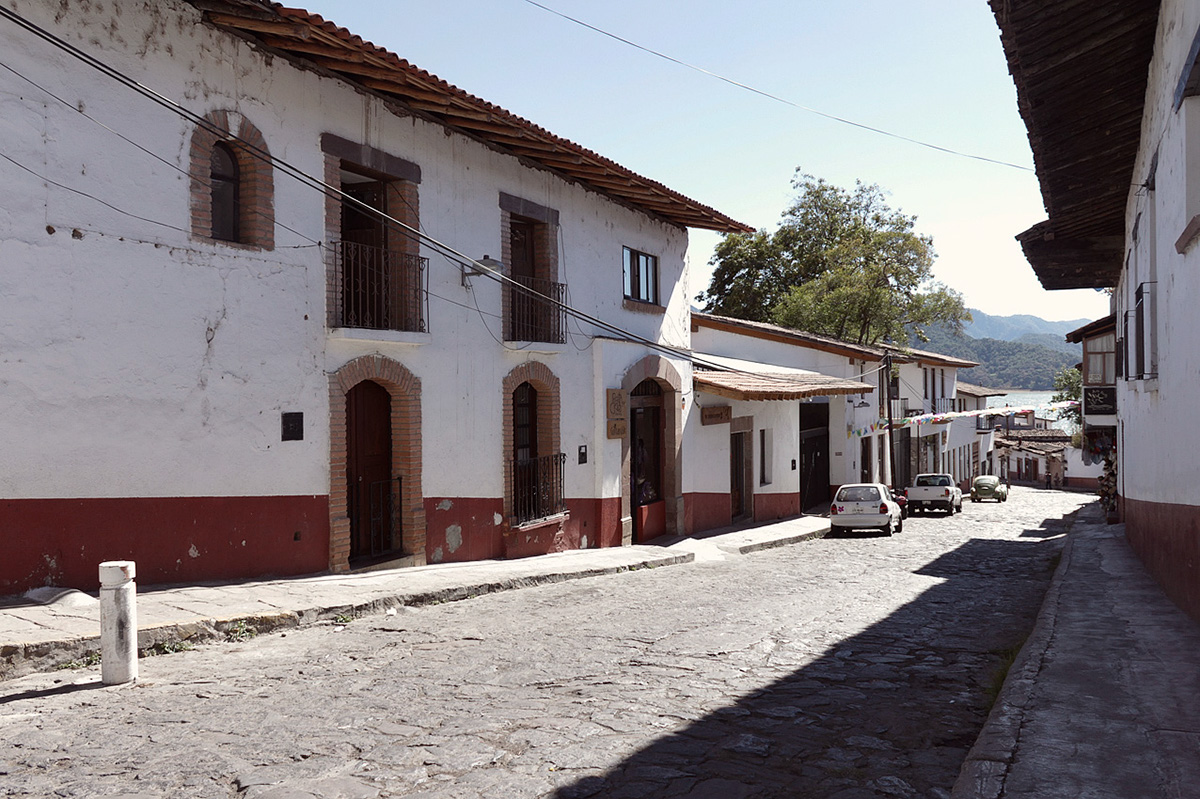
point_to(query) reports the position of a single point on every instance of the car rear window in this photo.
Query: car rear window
(927, 481)
(858, 494)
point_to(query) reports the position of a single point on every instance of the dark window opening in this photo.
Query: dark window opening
(532, 318)
(225, 182)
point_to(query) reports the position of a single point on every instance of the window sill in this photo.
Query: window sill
(536, 347)
(1188, 237)
(393, 336)
(638, 306)
(548, 521)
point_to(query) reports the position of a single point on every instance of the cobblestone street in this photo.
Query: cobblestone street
(851, 666)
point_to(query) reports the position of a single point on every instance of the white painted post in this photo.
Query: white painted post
(118, 622)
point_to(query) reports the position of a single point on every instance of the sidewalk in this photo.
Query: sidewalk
(1104, 699)
(50, 627)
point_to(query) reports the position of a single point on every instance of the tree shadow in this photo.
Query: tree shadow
(889, 712)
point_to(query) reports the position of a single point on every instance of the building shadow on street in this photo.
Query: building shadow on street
(889, 712)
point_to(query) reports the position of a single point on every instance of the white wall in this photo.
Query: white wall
(1158, 431)
(140, 362)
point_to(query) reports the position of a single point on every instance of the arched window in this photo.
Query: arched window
(225, 180)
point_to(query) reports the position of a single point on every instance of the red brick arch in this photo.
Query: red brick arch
(538, 375)
(405, 390)
(663, 372)
(257, 202)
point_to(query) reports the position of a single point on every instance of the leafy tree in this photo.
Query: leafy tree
(1068, 385)
(841, 263)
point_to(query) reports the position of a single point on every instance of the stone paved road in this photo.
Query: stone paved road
(853, 666)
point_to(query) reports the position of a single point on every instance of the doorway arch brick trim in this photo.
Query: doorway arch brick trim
(664, 373)
(538, 375)
(405, 390)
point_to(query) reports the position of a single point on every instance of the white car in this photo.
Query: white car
(865, 506)
(934, 492)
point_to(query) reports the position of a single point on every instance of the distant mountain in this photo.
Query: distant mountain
(1012, 328)
(1027, 361)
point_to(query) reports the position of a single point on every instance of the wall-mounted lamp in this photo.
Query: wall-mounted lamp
(487, 261)
(862, 404)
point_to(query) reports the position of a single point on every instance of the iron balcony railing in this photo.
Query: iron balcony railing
(380, 289)
(531, 318)
(537, 487)
(945, 405)
(381, 532)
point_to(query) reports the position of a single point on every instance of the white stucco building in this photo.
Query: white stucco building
(252, 330)
(1122, 192)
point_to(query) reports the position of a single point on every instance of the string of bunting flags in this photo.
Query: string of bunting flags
(943, 418)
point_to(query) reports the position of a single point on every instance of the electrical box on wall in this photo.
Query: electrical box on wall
(292, 426)
(583, 453)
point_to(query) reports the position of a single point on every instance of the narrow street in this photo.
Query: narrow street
(852, 666)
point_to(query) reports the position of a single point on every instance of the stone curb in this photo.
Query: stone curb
(22, 658)
(986, 766)
(759, 546)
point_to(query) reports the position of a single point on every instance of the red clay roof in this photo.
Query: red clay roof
(308, 39)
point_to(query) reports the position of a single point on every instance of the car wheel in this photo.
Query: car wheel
(900, 524)
(888, 528)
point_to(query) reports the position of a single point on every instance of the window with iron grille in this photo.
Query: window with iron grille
(641, 276)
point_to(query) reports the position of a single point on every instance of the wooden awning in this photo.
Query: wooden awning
(1080, 69)
(314, 43)
(767, 385)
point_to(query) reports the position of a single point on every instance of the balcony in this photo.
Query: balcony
(379, 289)
(537, 487)
(945, 405)
(532, 318)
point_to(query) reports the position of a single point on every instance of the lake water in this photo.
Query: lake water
(1016, 398)
(1021, 398)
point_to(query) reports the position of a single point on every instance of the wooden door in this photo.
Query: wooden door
(369, 470)
(737, 475)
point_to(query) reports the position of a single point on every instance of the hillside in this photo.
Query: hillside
(1003, 364)
(1014, 328)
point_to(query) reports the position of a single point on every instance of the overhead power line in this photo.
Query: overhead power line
(775, 97)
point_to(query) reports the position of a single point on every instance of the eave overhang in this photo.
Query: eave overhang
(311, 42)
(1080, 69)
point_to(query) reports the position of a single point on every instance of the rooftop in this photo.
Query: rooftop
(309, 41)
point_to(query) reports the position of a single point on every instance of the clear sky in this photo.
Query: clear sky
(931, 70)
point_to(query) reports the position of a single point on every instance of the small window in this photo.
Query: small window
(641, 276)
(225, 180)
(1100, 360)
(765, 456)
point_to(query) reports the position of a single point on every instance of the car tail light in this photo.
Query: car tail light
(946, 493)
(883, 508)
(833, 510)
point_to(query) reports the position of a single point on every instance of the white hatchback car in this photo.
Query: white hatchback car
(865, 506)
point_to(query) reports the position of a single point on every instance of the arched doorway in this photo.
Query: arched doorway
(372, 487)
(646, 438)
(357, 448)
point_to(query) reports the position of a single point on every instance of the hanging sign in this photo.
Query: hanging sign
(716, 414)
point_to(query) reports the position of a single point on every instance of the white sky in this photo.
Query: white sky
(931, 70)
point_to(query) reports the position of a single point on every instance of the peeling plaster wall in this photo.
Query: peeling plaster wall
(140, 361)
(137, 361)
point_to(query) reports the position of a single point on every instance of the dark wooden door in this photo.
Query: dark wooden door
(737, 475)
(369, 469)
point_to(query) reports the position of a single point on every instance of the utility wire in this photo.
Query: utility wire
(776, 97)
(312, 182)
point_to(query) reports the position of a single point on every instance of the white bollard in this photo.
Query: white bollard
(118, 622)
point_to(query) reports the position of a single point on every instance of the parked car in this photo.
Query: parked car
(865, 506)
(988, 486)
(934, 492)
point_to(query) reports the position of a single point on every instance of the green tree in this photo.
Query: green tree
(842, 263)
(1068, 385)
